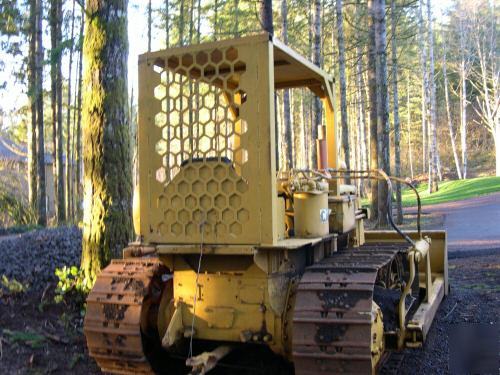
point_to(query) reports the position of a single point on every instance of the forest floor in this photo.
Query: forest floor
(40, 336)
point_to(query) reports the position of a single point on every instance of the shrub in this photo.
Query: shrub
(15, 210)
(71, 284)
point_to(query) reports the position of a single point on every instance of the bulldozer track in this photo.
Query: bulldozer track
(392, 364)
(333, 310)
(117, 313)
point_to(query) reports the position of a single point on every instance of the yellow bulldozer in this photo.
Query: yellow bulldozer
(232, 252)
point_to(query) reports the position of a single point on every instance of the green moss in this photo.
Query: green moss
(107, 169)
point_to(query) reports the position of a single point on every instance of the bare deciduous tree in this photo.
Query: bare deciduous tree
(486, 73)
(448, 116)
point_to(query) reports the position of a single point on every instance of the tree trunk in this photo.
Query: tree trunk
(361, 119)
(372, 86)
(61, 215)
(73, 196)
(107, 182)
(191, 22)
(448, 116)
(463, 99)
(463, 118)
(42, 196)
(425, 85)
(363, 156)
(78, 158)
(181, 21)
(496, 138)
(266, 15)
(433, 155)
(306, 129)
(167, 23)
(150, 24)
(56, 101)
(216, 20)
(316, 61)
(364, 163)
(307, 98)
(69, 165)
(32, 89)
(236, 25)
(397, 127)
(383, 127)
(287, 121)
(408, 124)
(343, 86)
(53, 101)
(198, 23)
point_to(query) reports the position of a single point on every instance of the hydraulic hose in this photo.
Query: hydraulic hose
(383, 176)
(329, 174)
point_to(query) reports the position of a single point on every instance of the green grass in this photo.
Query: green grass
(453, 191)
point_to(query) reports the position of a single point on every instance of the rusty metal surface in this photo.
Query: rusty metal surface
(117, 307)
(333, 311)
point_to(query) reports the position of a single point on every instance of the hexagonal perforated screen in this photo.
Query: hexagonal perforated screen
(201, 146)
(200, 103)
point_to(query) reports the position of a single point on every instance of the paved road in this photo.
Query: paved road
(472, 224)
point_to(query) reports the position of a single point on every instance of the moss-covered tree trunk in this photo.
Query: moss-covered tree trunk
(106, 154)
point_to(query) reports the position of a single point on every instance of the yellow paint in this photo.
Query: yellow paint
(207, 178)
(201, 107)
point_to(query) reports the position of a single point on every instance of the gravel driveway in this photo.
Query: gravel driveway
(471, 224)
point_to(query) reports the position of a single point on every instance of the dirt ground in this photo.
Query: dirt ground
(38, 336)
(474, 298)
(53, 341)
